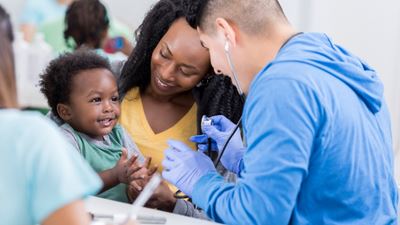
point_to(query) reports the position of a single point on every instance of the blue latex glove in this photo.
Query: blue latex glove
(183, 167)
(219, 133)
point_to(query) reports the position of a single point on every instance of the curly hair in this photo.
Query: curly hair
(216, 95)
(56, 81)
(136, 71)
(85, 23)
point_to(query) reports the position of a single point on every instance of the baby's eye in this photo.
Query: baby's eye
(94, 100)
(115, 98)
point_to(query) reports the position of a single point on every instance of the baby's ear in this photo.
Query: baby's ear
(64, 111)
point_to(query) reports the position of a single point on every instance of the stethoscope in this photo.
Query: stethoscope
(179, 194)
(235, 76)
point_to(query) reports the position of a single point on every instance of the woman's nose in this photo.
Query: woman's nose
(168, 72)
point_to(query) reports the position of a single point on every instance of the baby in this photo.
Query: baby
(83, 95)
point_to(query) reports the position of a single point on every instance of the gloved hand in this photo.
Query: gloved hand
(183, 167)
(219, 132)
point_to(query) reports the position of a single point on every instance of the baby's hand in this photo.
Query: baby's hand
(139, 177)
(123, 165)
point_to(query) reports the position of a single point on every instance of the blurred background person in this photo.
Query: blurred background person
(87, 25)
(38, 12)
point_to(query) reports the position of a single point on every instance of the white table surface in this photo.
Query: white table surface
(98, 205)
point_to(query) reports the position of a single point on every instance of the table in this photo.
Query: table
(98, 205)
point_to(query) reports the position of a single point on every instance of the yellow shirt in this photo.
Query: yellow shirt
(134, 120)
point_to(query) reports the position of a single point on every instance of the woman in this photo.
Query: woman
(168, 84)
(36, 168)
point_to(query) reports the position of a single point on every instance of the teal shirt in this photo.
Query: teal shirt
(103, 157)
(54, 34)
(37, 12)
(40, 172)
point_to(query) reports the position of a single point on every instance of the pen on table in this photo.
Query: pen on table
(143, 219)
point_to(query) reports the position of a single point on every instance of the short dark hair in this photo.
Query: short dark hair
(85, 22)
(55, 83)
(252, 16)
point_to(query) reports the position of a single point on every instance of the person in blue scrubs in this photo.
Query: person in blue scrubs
(316, 126)
(37, 12)
(43, 179)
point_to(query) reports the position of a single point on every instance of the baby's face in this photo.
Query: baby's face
(94, 102)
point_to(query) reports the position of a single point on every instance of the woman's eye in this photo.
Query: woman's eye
(163, 54)
(187, 72)
(95, 100)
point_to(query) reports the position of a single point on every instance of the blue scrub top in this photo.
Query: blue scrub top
(319, 148)
(40, 172)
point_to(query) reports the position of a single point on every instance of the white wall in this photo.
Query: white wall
(130, 12)
(369, 29)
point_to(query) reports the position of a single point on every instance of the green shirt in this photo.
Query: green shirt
(54, 33)
(102, 155)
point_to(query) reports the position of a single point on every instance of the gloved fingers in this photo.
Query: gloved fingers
(202, 138)
(204, 147)
(213, 132)
(222, 122)
(178, 146)
(169, 176)
(171, 154)
(168, 164)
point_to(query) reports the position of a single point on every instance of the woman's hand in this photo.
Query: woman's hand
(162, 198)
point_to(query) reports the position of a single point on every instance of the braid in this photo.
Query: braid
(136, 71)
(218, 96)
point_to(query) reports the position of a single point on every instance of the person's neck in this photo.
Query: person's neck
(262, 50)
(180, 99)
(64, 2)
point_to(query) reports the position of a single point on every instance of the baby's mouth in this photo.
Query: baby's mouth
(106, 122)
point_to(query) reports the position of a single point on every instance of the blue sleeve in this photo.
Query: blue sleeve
(280, 122)
(31, 14)
(57, 173)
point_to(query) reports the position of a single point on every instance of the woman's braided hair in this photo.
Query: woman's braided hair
(216, 95)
